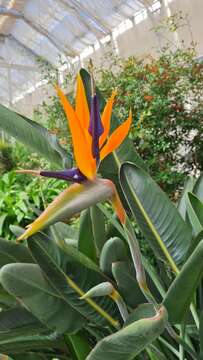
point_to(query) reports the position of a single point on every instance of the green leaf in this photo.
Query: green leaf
(16, 230)
(70, 279)
(125, 276)
(98, 227)
(112, 219)
(35, 355)
(156, 215)
(198, 188)
(131, 340)
(142, 311)
(181, 291)
(2, 219)
(194, 243)
(128, 287)
(155, 353)
(33, 135)
(78, 257)
(201, 335)
(63, 232)
(195, 213)
(19, 322)
(188, 187)
(27, 283)
(6, 300)
(22, 344)
(114, 250)
(78, 346)
(11, 252)
(148, 267)
(86, 237)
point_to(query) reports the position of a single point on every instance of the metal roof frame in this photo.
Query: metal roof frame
(92, 25)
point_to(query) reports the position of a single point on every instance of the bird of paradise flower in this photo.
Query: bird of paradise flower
(92, 142)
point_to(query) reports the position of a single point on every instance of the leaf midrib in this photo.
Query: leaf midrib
(152, 228)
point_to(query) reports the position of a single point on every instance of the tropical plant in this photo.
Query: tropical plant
(6, 157)
(82, 295)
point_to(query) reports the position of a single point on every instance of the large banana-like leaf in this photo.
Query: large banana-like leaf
(71, 280)
(27, 283)
(37, 355)
(156, 215)
(198, 188)
(188, 187)
(86, 237)
(11, 252)
(78, 346)
(35, 343)
(128, 287)
(6, 300)
(63, 231)
(125, 276)
(131, 340)
(98, 227)
(78, 257)
(195, 213)
(201, 335)
(195, 241)
(181, 291)
(33, 135)
(19, 322)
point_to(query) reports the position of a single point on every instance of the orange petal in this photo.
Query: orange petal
(116, 138)
(82, 148)
(106, 118)
(116, 202)
(119, 209)
(82, 109)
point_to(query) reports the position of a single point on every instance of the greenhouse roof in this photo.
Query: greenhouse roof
(51, 29)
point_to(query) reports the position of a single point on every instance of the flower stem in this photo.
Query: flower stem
(137, 261)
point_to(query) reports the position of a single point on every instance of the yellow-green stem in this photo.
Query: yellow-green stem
(92, 303)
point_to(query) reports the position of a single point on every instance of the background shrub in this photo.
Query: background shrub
(6, 157)
(165, 95)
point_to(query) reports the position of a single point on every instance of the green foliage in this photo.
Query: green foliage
(165, 95)
(21, 199)
(6, 157)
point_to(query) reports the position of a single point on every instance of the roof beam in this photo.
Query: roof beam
(28, 50)
(79, 7)
(74, 11)
(38, 28)
(14, 84)
(5, 65)
(21, 45)
(10, 12)
(51, 38)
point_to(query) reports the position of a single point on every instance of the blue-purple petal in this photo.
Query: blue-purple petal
(96, 128)
(73, 175)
